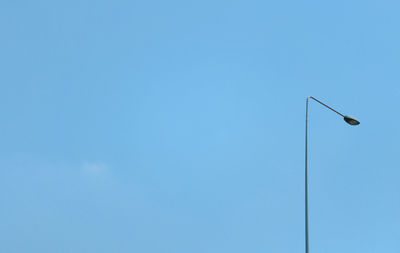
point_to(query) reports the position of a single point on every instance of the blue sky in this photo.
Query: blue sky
(178, 126)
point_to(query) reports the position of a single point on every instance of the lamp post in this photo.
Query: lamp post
(350, 120)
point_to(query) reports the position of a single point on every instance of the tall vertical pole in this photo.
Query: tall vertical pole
(306, 180)
(350, 120)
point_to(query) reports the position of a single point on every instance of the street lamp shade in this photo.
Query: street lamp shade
(351, 120)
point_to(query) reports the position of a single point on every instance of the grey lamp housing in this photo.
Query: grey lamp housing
(351, 120)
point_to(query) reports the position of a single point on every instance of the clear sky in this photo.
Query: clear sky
(178, 126)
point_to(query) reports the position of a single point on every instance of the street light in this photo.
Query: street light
(350, 120)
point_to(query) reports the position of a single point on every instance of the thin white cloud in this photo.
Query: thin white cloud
(95, 170)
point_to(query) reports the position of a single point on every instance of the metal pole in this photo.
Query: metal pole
(306, 179)
(306, 161)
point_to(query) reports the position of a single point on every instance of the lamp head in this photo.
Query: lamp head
(351, 120)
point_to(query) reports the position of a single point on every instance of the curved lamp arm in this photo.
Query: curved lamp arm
(349, 119)
(325, 105)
